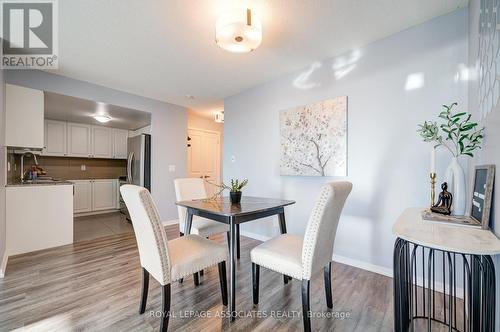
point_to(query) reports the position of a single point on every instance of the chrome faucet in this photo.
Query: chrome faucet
(22, 162)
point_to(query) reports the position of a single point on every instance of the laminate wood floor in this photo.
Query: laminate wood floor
(95, 286)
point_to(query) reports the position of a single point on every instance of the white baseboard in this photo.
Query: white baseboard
(255, 236)
(363, 265)
(93, 213)
(3, 266)
(170, 222)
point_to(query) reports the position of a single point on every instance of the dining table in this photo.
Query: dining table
(222, 210)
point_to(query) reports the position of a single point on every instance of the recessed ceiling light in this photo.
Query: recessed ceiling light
(102, 118)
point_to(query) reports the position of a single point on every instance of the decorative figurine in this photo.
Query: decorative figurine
(445, 199)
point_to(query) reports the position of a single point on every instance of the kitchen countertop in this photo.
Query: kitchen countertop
(39, 183)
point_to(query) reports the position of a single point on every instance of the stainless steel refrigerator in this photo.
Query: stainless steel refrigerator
(138, 165)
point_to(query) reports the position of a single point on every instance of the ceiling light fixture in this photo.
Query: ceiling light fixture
(219, 117)
(102, 118)
(238, 32)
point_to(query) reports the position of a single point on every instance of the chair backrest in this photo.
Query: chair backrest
(187, 189)
(319, 237)
(149, 232)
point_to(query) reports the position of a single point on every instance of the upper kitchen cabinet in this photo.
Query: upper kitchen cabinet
(79, 140)
(55, 138)
(24, 110)
(120, 141)
(102, 142)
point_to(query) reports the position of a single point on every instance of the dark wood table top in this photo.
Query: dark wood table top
(222, 206)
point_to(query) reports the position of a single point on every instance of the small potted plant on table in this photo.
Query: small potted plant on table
(235, 190)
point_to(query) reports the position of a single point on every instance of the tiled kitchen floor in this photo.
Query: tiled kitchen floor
(100, 225)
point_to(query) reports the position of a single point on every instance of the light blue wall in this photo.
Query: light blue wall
(168, 127)
(388, 163)
(490, 154)
(3, 170)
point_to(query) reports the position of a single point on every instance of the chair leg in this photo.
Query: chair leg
(285, 279)
(228, 241)
(181, 280)
(306, 308)
(223, 282)
(328, 284)
(238, 241)
(165, 307)
(144, 291)
(255, 282)
(196, 279)
(202, 273)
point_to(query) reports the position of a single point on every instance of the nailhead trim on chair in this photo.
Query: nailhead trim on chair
(311, 232)
(159, 233)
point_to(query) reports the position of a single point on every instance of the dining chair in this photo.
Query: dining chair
(300, 257)
(187, 189)
(168, 261)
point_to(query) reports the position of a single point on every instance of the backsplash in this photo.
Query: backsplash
(69, 168)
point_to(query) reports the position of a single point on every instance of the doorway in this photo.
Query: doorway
(204, 154)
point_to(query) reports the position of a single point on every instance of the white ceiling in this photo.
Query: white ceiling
(165, 49)
(66, 108)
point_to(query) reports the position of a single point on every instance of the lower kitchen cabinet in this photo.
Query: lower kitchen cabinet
(82, 199)
(95, 195)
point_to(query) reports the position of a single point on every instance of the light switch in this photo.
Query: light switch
(171, 168)
(233, 159)
(83, 168)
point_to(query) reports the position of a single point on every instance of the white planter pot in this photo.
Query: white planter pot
(455, 177)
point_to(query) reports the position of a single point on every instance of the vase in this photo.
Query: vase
(235, 197)
(455, 177)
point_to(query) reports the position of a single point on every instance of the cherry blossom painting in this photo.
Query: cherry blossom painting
(314, 139)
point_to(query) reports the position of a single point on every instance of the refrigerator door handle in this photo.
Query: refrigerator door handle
(130, 163)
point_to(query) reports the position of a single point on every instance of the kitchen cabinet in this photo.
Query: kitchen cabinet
(24, 111)
(79, 140)
(120, 142)
(55, 138)
(82, 199)
(95, 195)
(102, 143)
(103, 195)
(38, 217)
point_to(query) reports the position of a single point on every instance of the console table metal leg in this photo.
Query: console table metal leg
(417, 300)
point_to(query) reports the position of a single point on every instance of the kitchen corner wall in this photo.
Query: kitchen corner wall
(490, 154)
(392, 85)
(3, 173)
(168, 127)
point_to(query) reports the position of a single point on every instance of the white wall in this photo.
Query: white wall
(490, 154)
(3, 174)
(387, 163)
(168, 127)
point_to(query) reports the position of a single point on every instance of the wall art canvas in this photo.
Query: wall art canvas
(314, 139)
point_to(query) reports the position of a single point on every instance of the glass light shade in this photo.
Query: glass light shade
(102, 118)
(238, 32)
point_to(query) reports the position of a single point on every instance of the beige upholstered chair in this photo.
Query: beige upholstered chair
(194, 188)
(168, 261)
(299, 257)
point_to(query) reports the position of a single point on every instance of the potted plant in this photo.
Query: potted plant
(235, 189)
(460, 136)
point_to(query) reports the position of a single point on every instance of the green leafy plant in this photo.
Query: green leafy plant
(235, 186)
(457, 133)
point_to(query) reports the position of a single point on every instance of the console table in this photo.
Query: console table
(443, 275)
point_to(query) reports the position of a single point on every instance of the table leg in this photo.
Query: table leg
(188, 222)
(281, 217)
(238, 241)
(232, 268)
